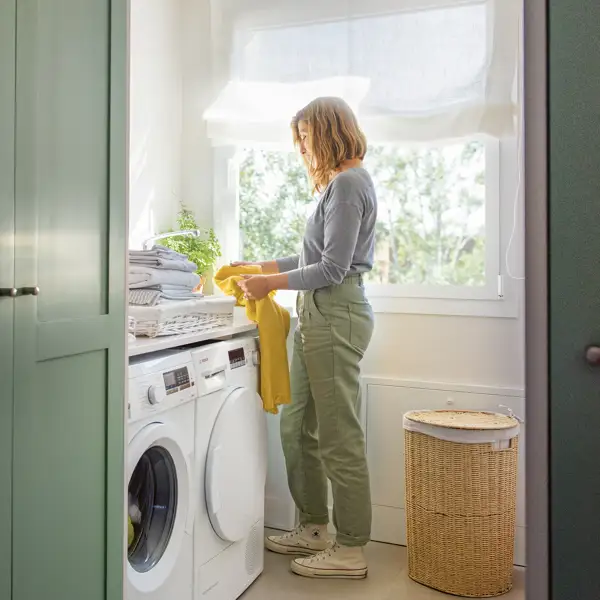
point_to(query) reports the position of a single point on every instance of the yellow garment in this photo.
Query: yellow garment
(130, 531)
(273, 328)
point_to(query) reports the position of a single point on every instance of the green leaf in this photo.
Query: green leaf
(204, 251)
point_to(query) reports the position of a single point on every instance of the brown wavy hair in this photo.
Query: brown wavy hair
(335, 137)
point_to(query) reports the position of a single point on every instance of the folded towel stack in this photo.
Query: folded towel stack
(161, 275)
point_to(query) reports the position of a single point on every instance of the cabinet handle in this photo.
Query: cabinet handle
(14, 292)
(592, 356)
(30, 291)
(9, 292)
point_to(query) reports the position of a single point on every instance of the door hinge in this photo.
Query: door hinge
(500, 286)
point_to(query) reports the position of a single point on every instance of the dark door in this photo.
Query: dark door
(563, 206)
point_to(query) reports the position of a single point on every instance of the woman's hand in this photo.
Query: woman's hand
(255, 287)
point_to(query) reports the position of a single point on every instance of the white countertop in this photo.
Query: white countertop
(143, 345)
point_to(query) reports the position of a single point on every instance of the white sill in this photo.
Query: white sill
(507, 308)
(496, 309)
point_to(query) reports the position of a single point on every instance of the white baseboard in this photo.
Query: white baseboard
(389, 525)
(280, 514)
(520, 554)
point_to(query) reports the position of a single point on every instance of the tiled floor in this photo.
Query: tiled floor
(387, 581)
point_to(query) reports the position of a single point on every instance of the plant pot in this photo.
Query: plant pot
(200, 287)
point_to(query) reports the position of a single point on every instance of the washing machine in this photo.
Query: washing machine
(231, 469)
(160, 459)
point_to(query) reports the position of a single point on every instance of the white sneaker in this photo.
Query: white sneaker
(338, 562)
(305, 540)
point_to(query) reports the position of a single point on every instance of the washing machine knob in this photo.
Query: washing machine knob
(152, 396)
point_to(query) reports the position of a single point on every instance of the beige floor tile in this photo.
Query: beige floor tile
(387, 581)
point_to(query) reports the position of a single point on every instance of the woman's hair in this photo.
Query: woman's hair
(334, 136)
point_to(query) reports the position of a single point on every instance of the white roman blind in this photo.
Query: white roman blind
(414, 70)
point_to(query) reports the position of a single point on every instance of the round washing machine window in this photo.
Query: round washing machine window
(152, 508)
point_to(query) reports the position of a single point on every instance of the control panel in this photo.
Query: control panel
(161, 383)
(243, 359)
(237, 358)
(222, 364)
(177, 380)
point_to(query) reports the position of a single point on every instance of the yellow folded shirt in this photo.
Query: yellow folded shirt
(273, 327)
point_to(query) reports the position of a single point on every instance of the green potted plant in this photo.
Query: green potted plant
(204, 251)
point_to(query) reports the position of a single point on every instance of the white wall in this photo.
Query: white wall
(171, 160)
(197, 164)
(156, 95)
(464, 350)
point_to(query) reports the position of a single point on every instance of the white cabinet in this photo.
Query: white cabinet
(280, 510)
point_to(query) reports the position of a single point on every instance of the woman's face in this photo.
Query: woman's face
(305, 147)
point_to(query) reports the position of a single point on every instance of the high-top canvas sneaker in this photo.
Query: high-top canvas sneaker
(337, 562)
(305, 540)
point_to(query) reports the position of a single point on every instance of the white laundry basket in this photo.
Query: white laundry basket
(186, 316)
(461, 489)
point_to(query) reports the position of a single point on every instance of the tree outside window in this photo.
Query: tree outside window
(431, 203)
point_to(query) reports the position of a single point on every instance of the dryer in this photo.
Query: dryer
(160, 457)
(231, 469)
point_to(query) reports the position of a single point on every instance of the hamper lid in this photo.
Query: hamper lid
(463, 426)
(463, 419)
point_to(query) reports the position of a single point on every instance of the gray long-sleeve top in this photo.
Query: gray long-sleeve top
(340, 235)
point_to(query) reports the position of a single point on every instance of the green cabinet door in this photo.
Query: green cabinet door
(68, 480)
(574, 294)
(7, 222)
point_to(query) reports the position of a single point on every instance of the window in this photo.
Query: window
(437, 232)
(433, 83)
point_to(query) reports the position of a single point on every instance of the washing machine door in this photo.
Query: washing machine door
(158, 505)
(236, 467)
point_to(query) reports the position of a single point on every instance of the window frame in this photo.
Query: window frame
(499, 297)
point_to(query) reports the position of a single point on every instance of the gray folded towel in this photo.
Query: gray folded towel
(144, 297)
(151, 297)
(164, 263)
(162, 258)
(156, 252)
(167, 288)
(141, 276)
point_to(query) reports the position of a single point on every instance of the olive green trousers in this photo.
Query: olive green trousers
(321, 431)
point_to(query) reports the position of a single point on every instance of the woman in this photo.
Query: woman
(321, 432)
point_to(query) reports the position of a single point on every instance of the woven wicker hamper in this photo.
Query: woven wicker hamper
(461, 489)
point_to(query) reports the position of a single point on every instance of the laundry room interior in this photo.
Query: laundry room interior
(299, 299)
(213, 86)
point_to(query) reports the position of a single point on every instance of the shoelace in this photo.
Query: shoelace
(291, 534)
(323, 555)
